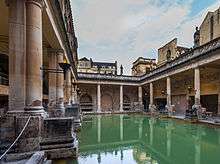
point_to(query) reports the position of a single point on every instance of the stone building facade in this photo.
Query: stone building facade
(89, 66)
(210, 27)
(170, 51)
(37, 47)
(183, 79)
(143, 66)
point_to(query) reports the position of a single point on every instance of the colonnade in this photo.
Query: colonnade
(121, 95)
(26, 61)
(169, 92)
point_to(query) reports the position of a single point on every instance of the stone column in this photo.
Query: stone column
(140, 99)
(74, 98)
(197, 104)
(152, 107)
(68, 87)
(98, 98)
(52, 78)
(121, 98)
(17, 55)
(169, 103)
(59, 111)
(34, 61)
(121, 128)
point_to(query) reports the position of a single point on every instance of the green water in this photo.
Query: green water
(131, 139)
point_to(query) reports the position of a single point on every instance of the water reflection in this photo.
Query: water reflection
(138, 139)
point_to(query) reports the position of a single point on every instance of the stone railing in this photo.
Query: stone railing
(197, 52)
(192, 54)
(97, 76)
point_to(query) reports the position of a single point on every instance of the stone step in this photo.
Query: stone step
(37, 158)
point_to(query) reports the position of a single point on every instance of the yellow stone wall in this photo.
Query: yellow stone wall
(162, 52)
(205, 28)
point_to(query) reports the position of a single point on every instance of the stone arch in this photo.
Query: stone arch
(106, 102)
(86, 102)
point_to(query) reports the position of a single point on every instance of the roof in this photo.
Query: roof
(84, 59)
(100, 64)
(174, 40)
(143, 59)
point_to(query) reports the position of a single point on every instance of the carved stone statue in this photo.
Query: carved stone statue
(196, 37)
(121, 68)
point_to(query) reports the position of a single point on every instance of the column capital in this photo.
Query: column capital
(39, 3)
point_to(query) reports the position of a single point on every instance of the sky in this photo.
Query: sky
(123, 30)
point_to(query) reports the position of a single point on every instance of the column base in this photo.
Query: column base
(170, 109)
(152, 108)
(29, 112)
(195, 112)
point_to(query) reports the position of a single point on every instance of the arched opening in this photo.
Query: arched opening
(126, 103)
(86, 103)
(168, 55)
(106, 102)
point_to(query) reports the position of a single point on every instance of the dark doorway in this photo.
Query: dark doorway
(161, 103)
(86, 103)
(146, 100)
(210, 102)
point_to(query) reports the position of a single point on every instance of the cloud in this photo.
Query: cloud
(123, 30)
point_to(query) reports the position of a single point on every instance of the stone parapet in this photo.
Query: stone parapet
(188, 56)
(58, 138)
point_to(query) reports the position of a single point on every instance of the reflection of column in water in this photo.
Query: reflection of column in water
(140, 128)
(121, 128)
(99, 158)
(99, 129)
(151, 122)
(197, 151)
(198, 138)
(122, 155)
(169, 128)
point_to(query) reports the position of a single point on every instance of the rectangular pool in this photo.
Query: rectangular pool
(131, 139)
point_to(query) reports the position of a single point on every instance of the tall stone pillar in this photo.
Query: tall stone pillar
(68, 87)
(17, 55)
(121, 98)
(52, 78)
(140, 99)
(34, 87)
(98, 98)
(197, 104)
(152, 107)
(59, 109)
(169, 103)
(74, 98)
